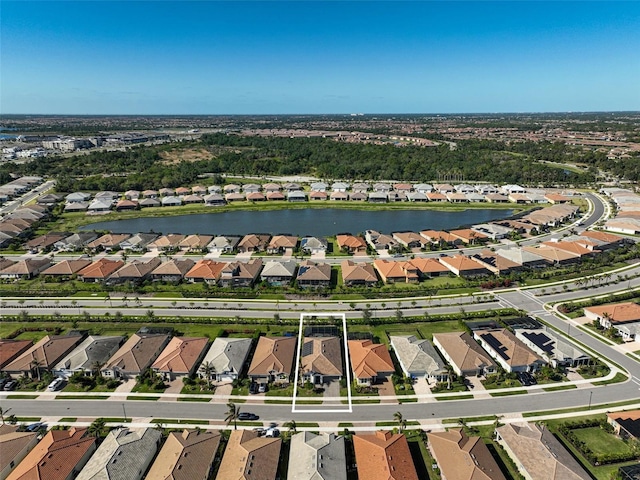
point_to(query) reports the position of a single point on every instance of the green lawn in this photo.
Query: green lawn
(600, 441)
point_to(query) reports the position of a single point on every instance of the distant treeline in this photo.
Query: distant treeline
(473, 160)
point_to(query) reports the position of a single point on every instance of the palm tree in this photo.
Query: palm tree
(232, 415)
(96, 367)
(97, 427)
(401, 421)
(2, 412)
(292, 426)
(209, 370)
(35, 366)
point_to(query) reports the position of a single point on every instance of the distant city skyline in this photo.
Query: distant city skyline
(306, 57)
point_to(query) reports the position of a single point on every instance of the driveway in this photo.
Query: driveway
(331, 389)
(125, 387)
(385, 389)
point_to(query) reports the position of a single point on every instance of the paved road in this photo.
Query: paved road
(26, 198)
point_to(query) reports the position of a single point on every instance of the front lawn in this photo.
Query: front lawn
(601, 441)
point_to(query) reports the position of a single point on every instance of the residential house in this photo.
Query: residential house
(11, 349)
(519, 198)
(166, 243)
(127, 205)
(45, 243)
(418, 358)
(509, 189)
(167, 192)
(314, 275)
(463, 266)
(49, 199)
(60, 455)
(378, 197)
(76, 207)
(192, 199)
(495, 263)
(150, 194)
(135, 271)
(626, 424)
(474, 197)
(436, 197)
(240, 274)
(291, 187)
(469, 236)
(273, 359)
(278, 273)
(25, 269)
(383, 455)
(180, 357)
(358, 197)
(77, 197)
(370, 362)
(526, 258)
(360, 187)
(321, 359)
(429, 267)
(379, 241)
(492, 230)
(14, 446)
(605, 240)
(461, 456)
(74, 242)
(486, 189)
(149, 203)
(136, 355)
(296, 196)
(132, 194)
(444, 188)
(358, 274)
(227, 357)
(138, 242)
(199, 190)
(318, 196)
(496, 198)
(223, 244)
(186, 455)
(205, 270)
(510, 352)
(554, 348)
(108, 196)
(100, 270)
(396, 272)
(256, 197)
(552, 255)
(317, 457)
(125, 454)
(108, 242)
(556, 198)
(98, 205)
(275, 196)
(248, 455)
(253, 243)
(271, 187)
(251, 188)
(455, 197)
(464, 354)
(214, 199)
(314, 245)
(195, 243)
(538, 454)
(440, 238)
(42, 356)
(172, 271)
(410, 240)
(381, 187)
(624, 317)
(340, 186)
(280, 244)
(423, 188)
(417, 197)
(89, 356)
(318, 187)
(403, 187)
(351, 244)
(232, 188)
(171, 201)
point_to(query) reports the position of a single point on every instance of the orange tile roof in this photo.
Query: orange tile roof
(571, 247)
(67, 267)
(467, 235)
(180, 355)
(101, 268)
(55, 456)
(618, 312)
(351, 242)
(461, 263)
(405, 271)
(206, 269)
(9, 349)
(602, 236)
(384, 456)
(369, 359)
(438, 236)
(283, 241)
(428, 265)
(273, 354)
(550, 253)
(352, 272)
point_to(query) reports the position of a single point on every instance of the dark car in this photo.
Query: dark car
(248, 416)
(524, 379)
(3, 381)
(532, 379)
(253, 388)
(10, 385)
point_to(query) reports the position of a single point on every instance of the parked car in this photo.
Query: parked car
(10, 385)
(262, 388)
(36, 426)
(55, 385)
(253, 388)
(3, 382)
(524, 379)
(272, 432)
(247, 416)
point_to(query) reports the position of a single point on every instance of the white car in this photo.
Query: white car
(55, 385)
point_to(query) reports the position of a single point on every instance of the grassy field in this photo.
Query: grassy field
(601, 441)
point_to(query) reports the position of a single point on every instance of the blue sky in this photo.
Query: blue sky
(110, 57)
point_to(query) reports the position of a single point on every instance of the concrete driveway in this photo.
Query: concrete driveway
(331, 389)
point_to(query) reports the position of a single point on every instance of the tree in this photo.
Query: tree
(35, 367)
(232, 415)
(292, 426)
(402, 422)
(97, 428)
(2, 412)
(209, 370)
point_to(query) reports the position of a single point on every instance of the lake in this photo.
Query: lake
(319, 222)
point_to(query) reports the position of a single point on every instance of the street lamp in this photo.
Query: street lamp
(590, 395)
(124, 413)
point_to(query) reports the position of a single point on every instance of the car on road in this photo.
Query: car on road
(10, 385)
(247, 416)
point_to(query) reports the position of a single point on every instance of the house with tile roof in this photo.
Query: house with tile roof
(391, 271)
(551, 346)
(418, 358)
(136, 355)
(66, 268)
(195, 243)
(94, 351)
(469, 236)
(45, 243)
(43, 355)
(273, 359)
(358, 274)
(227, 356)
(125, 454)
(108, 242)
(370, 362)
(11, 349)
(492, 230)
(495, 263)
(614, 314)
(180, 357)
(240, 274)
(317, 457)
(166, 243)
(205, 270)
(335, 196)
(321, 359)
(552, 255)
(250, 456)
(14, 446)
(626, 424)
(25, 269)
(577, 248)
(173, 270)
(410, 240)
(383, 456)
(463, 266)
(462, 457)
(440, 238)
(314, 245)
(605, 240)
(138, 242)
(429, 267)
(223, 244)
(100, 270)
(526, 258)
(253, 243)
(278, 272)
(538, 454)
(464, 354)
(186, 455)
(75, 241)
(510, 352)
(313, 275)
(275, 196)
(351, 244)
(380, 241)
(60, 455)
(279, 244)
(271, 187)
(136, 271)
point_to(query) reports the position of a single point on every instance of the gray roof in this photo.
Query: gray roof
(519, 256)
(275, 268)
(317, 457)
(93, 349)
(223, 241)
(139, 240)
(549, 343)
(313, 243)
(100, 204)
(417, 357)
(78, 239)
(125, 454)
(228, 355)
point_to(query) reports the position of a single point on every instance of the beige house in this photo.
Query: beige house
(464, 354)
(249, 456)
(509, 351)
(135, 356)
(273, 359)
(321, 359)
